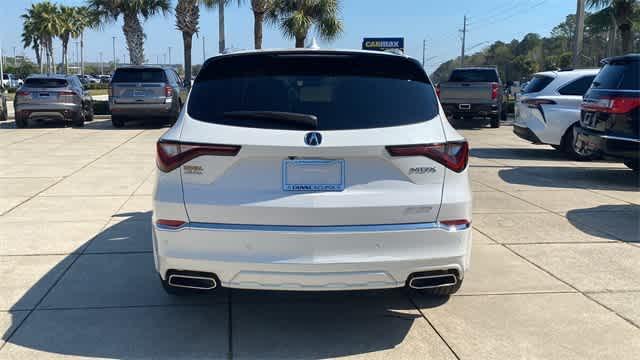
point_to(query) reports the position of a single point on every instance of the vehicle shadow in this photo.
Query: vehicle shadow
(543, 154)
(142, 124)
(594, 178)
(618, 222)
(106, 301)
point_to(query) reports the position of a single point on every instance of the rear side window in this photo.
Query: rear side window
(45, 83)
(344, 91)
(538, 83)
(139, 76)
(474, 75)
(619, 76)
(577, 87)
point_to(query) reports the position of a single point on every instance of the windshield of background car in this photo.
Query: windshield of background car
(474, 75)
(45, 83)
(619, 76)
(139, 76)
(344, 91)
(538, 83)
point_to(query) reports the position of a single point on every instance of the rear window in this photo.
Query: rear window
(577, 87)
(619, 76)
(350, 91)
(139, 76)
(538, 83)
(45, 83)
(474, 75)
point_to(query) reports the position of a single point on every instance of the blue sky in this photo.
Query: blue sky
(437, 21)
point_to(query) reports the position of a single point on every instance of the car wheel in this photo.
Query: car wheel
(78, 119)
(495, 121)
(117, 121)
(442, 290)
(575, 151)
(21, 122)
(633, 165)
(89, 116)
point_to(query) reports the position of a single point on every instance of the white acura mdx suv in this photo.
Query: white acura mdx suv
(312, 170)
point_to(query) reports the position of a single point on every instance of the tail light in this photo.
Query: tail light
(23, 93)
(168, 91)
(453, 155)
(613, 105)
(535, 103)
(438, 90)
(495, 88)
(68, 96)
(172, 154)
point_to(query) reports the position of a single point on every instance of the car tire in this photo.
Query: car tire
(77, 119)
(117, 121)
(633, 165)
(572, 150)
(442, 290)
(21, 123)
(89, 116)
(495, 121)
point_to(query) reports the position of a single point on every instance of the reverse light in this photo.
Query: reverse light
(172, 154)
(453, 155)
(613, 105)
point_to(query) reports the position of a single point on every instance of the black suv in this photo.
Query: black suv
(610, 119)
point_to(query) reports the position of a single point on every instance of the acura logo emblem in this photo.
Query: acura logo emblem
(313, 139)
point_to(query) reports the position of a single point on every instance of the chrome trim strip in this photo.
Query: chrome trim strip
(609, 137)
(315, 228)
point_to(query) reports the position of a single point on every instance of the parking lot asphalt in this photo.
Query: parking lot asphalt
(554, 271)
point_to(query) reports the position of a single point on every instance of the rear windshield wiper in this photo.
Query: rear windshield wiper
(297, 118)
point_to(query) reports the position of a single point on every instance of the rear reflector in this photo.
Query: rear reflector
(453, 155)
(170, 223)
(458, 224)
(172, 154)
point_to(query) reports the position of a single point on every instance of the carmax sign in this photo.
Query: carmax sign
(383, 44)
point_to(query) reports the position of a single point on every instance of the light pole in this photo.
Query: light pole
(14, 56)
(77, 57)
(101, 64)
(169, 55)
(204, 56)
(115, 60)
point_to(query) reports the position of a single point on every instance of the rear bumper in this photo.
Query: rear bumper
(46, 111)
(141, 110)
(312, 258)
(460, 109)
(624, 148)
(526, 134)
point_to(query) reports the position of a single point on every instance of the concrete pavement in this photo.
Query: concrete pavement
(554, 267)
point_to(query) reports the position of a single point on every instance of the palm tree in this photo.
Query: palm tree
(67, 18)
(30, 36)
(42, 19)
(296, 17)
(220, 4)
(621, 11)
(260, 9)
(131, 10)
(85, 18)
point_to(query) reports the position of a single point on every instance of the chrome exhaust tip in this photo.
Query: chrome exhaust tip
(192, 281)
(432, 281)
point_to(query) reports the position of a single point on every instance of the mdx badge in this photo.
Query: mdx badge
(313, 139)
(422, 170)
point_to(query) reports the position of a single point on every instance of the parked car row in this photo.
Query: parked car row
(587, 113)
(11, 81)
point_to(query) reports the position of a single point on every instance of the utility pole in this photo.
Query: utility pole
(577, 45)
(169, 55)
(424, 49)
(14, 56)
(204, 56)
(77, 58)
(114, 53)
(165, 59)
(464, 39)
(101, 64)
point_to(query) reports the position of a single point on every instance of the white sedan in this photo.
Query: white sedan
(549, 109)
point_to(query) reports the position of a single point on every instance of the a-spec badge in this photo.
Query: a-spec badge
(193, 169)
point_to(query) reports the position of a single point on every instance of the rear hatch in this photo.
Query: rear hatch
(138, 85)
(472, 86)
(43, 91)
(289, 171)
